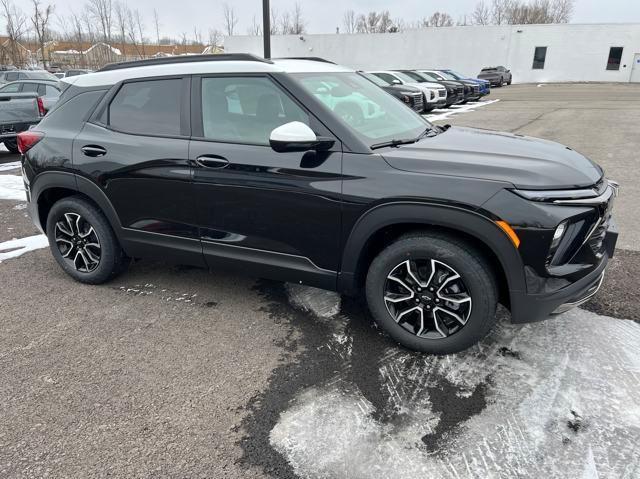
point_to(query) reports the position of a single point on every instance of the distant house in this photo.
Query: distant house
(70, 54)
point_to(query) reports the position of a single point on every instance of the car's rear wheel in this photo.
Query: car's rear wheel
(11, 145)
(432, 293)
(83, 242)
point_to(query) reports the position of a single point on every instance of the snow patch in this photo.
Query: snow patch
(14, 165)
(18, 247)
(12, 188)
(562, 404)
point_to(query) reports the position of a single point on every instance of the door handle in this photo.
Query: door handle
(211, 161)
(93, 150)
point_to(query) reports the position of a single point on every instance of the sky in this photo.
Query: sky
(323, 16)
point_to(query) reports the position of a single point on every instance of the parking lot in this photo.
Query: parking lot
(179, 372)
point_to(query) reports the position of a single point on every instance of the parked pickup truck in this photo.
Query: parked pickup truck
(18, 111)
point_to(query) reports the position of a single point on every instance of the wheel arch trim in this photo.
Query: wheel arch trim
(58, 179)
(471, 223)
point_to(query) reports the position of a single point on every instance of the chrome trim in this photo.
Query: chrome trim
(598, 200)
(563, 308)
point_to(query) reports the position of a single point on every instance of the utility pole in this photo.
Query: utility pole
(266, 28)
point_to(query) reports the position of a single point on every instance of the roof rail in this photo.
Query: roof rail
(312, 59)
(219, 57)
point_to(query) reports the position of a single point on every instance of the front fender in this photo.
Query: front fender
(454, 218)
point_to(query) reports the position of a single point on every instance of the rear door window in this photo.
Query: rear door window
(147, 107)
(11, 76)
(30, 88)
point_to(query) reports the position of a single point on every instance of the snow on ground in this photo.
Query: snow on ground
(443, 114)
(560, 401)
(12, 188)
(14, 165)
(18, 247)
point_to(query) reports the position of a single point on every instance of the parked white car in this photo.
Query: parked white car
(435, 94)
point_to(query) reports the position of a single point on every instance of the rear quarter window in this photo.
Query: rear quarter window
(72, 114)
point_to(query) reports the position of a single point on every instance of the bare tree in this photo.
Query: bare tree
(439, 19)
(40, 21)
(156, 24)
(102, 13)
(501, 11)
(285, 24)
(255, 28)
(298, 24)
(350, 21)
(481, 14)
(197, 36)
(122, 14)
(16, 28)
(230, 19)
(385, 24)
(140, 28)
(215, 37)
(561, 10)
(273, 27)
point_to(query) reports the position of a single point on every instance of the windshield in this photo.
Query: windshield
(42, 76)
(432, 76)
(374, 115)
(375, 79)
(410, 77)
(449, 75)
(456, 75)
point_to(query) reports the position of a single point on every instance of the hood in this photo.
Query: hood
(524, 162)
(423, 85)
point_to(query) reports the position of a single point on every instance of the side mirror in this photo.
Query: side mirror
(396, 82)
(296, 136)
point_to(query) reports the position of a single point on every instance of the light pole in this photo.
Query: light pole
(266, 28)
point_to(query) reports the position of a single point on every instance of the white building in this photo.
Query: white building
(587, 52)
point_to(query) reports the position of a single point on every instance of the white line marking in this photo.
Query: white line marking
(455, 109)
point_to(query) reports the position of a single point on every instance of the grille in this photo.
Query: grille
(460, 90)
(417, 101)
(476, 89)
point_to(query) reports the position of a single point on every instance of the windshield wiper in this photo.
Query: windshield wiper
(393, 142)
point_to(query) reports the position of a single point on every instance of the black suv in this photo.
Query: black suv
(235, 161)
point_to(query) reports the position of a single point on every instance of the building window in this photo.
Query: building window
(539, 56)
(615, 55)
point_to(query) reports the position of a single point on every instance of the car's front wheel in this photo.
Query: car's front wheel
(432, 293)
(83, 242)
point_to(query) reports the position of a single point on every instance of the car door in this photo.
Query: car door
(135, 148)
(277, 214)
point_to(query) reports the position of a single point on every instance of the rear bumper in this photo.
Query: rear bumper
(527, 308)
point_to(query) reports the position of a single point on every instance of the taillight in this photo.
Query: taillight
(27, 139)
(41, 109)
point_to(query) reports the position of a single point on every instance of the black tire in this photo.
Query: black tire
(111, 258)
(476, 274)
(11, 145)
(509, 82)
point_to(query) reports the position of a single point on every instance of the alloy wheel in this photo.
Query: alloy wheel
(427, 298)
(78, 242)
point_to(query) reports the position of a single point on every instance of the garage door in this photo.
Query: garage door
(635, 70)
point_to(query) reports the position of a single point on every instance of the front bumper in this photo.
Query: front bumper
(527, 308)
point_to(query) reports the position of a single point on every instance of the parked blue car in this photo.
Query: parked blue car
(485, 85)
